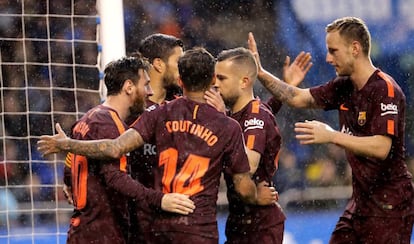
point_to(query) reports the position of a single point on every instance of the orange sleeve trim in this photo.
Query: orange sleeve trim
(390, 127)
(68, 160)
(250, 141)
(121, 129)
(389, 84)
(255, 107)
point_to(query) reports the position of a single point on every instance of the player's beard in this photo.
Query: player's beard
(171, 86)
(230, 101)
(169, 79)
(137, 108)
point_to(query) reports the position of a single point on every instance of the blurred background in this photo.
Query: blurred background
(50, 73)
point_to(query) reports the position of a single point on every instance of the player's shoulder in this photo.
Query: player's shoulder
(259, 109)
(101, 115)
(384, 85)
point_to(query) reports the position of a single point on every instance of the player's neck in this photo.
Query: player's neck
(118, 106)
(362, 72)
(159, 92)
(241, 102)
(195, 96)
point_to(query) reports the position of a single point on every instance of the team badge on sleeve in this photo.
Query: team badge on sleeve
(362, 118)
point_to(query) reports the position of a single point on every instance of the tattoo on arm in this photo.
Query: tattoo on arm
(106, 148)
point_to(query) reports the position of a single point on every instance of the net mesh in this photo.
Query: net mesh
(49, 73)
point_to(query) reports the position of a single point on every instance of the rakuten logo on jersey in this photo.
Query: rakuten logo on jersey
(389, 109)
(253, 124)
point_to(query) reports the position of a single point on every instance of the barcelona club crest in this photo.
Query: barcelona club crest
(362, 118)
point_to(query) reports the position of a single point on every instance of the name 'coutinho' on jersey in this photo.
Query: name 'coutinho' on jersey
(186, 126)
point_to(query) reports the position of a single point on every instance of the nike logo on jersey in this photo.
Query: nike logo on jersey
(342, 107)
(253, 124)
(389, 109)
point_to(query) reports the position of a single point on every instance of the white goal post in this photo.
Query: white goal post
(52, 54)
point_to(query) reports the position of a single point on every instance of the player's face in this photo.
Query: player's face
(142, 92)
(228, 82)
(339, 54)
(171, 72)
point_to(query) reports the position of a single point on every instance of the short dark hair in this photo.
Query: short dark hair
(196, 67)
(118, 71)
(352, 28)
(159, 46)
(240, 56)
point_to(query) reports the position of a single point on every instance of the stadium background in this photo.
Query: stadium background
(313, 181)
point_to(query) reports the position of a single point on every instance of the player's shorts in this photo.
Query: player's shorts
(271, 235)
(372, 230)
(174, 237)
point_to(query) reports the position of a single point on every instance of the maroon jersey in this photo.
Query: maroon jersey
(100, 188)
(380, 187)
(262, 135)
(142, 162)
(195, 143)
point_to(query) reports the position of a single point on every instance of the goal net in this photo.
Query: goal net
(50, 72)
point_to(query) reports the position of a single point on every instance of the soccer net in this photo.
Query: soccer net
(50, 66)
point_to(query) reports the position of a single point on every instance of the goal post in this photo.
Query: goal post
(112, 33)
(52, 55)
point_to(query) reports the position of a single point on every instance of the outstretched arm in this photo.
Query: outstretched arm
(315, 132)
(293, 96)
(99, 149)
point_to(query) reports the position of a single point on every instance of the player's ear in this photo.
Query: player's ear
(158, 65)
(356, 48)
(180, 82)
(245, 82)
(128, 86)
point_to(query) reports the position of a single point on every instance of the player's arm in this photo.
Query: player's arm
(254, 159)
(245, 186)
(123, 183)
(266, 194)
(315, 132)
(293, 96)
(100, 149)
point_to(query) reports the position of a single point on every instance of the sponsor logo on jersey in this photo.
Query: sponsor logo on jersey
(362, 118)
(149, 149)
(253, 124)
(389, 109)
(152, 107)
(343, 108)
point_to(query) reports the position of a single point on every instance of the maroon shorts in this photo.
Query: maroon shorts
(375, 230)
(271, 235)
(174, 237)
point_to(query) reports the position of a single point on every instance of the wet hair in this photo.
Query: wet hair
(118, 71)
(196, 67)
(159, 46)
(352, 29)
(240, 56)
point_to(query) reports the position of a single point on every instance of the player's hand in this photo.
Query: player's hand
(214, 99)
(266, 195)
(67, 191)
(314, 132)
(51, 144)
(253, 48)
(177, 203)
(294, 73)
